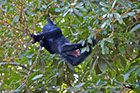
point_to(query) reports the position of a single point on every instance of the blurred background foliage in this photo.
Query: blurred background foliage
(113, 66)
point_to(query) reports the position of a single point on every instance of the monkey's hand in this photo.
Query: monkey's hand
(35, 39)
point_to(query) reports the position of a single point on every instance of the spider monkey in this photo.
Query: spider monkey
(55, 42)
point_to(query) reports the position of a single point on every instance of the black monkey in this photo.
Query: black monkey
(55, 42)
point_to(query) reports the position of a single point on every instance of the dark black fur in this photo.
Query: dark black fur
(55, 42)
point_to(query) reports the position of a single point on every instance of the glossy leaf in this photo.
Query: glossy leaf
(16, 19)
(37, 77)
(77, 86)
(104, 4)
(135, 28)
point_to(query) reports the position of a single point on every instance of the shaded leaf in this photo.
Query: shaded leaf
(121, 49)
(102, 47)
(77, 87)
(102, 65)
(135, 28)
(138, 71)
(132, 70)
(42, 66)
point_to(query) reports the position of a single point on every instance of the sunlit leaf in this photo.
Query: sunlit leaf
(77, 12)
(103, 25)
(58, 9)
(3, 2)
(31, 13)
(105, 10)
(118, 17)
(16, 19)
(104, 4)
(101, 83)
(65, 12)
(44, 6)
(37, 77)
(126, 76)
(131, 13)
(114, 3)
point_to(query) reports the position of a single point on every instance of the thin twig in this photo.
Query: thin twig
(14, 64)
(30, 70)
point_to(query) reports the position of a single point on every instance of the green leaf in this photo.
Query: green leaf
(101, 83)
(131, 13)
(110, 40)
(74, 25)
(42, 66)
(104, 4)
(30, 55)
(89, 40)
(105, 10)
(118, 17)
(121, 49)
(138, 71)
(3, 2)
(31, 13)
(103, 25)
(16, 19)
(30, 61)
(37, 77)
(77, 12)
(44, 6)
(65, 12)
(79, 5)
(77, 87)
(102, 65)
(126, 76)
(23, 55)
(102, 47)
(57, 9)
(21, 88)
(135, 28)
(132, 70)
(138, 10)
(114, 3)
(95, 62)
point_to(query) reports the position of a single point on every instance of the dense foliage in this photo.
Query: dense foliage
(114, 64)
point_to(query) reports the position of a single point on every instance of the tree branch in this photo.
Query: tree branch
(14, 64)
(30, 70)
